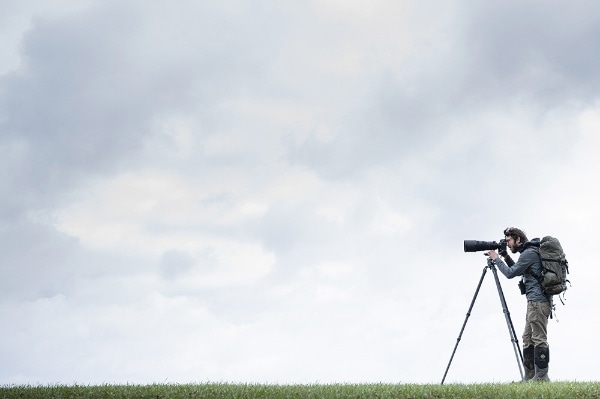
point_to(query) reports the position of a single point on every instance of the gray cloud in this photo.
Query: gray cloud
(546, 53)
(175, 263)
(247, 187)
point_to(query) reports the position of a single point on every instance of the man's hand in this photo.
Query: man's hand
(492, 254)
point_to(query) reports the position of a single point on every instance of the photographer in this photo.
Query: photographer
(536, 355)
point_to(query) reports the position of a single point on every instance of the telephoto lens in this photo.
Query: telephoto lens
(474, 245)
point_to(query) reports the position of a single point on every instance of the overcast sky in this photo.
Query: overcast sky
(278, 191)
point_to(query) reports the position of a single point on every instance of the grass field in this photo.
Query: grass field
(570, 390)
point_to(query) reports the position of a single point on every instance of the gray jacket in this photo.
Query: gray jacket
(529, 265)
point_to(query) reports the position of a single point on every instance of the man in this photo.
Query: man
(536, 355)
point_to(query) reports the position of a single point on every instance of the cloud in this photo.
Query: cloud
(279, 192)
(540, 52)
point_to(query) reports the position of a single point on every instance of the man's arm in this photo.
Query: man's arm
(524, 262)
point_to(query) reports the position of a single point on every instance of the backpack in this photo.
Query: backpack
(554, 267)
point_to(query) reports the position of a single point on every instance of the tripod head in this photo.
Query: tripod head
(509, 261)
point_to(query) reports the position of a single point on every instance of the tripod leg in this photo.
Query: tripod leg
(509, 323)
(465, 322)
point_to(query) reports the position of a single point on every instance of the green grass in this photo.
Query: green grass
(570, 390)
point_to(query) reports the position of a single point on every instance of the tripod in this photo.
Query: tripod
(509, 324)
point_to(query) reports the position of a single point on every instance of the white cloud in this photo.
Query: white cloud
(227, 192)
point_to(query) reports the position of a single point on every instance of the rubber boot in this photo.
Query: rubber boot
(542, 358)
(529, 363)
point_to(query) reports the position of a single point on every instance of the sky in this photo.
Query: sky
(278, 192)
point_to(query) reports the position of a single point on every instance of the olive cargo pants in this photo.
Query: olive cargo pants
(536, 324)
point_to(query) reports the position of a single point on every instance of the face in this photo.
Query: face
(512, 244)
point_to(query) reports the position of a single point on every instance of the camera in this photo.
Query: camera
(474, 246)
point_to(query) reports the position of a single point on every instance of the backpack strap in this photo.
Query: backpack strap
(540, 278)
